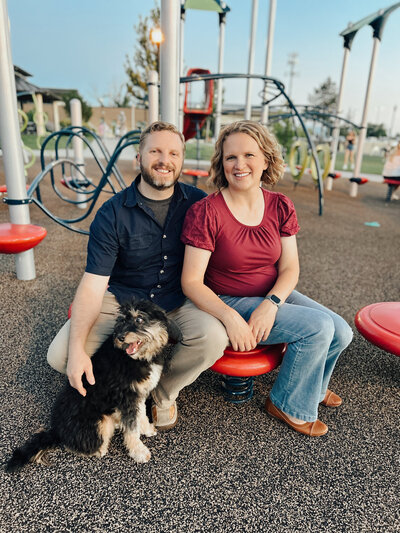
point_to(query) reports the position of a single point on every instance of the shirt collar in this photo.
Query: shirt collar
(132, 198)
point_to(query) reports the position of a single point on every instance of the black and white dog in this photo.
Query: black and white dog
(126, 367)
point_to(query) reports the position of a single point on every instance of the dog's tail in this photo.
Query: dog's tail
(32, 450)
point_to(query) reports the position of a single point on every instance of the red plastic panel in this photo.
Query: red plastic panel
(259, 361)
(17, 238)
(380, 324)
(195, 172)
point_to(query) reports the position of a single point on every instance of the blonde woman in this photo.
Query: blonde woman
(241, 266)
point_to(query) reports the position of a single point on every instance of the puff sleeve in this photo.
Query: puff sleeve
(287, 217)
(200, 226)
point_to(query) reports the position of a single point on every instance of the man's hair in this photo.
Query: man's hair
(159, 126)
(266, 142)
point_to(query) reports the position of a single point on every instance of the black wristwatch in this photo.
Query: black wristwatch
(274, 299)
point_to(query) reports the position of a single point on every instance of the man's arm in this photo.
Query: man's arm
(85, 310)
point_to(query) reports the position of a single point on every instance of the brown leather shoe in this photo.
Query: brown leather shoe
(312, 429)
(331, 399)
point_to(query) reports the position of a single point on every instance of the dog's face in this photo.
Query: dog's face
(142, 329)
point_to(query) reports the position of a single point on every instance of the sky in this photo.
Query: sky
(83, 44)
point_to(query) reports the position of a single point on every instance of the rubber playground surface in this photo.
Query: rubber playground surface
(223, 468)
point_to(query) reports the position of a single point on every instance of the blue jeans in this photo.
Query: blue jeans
(315, 336)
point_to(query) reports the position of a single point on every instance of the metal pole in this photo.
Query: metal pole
(218, 107)
(77, 144)
(363, 132)
(169, 71)
(152, 89)
(268, 59)
(253, 26)
(336, 131)
(181, 67)
(11, 144)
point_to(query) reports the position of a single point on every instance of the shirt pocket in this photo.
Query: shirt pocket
(137, 250)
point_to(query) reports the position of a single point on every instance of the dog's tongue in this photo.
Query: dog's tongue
(133, 347)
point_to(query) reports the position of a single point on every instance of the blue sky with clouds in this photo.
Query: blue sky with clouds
(83, 43)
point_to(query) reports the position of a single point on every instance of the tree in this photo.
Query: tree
(86, 109)
(325, 96)
(146, 56)
(376, 130)
(284, 132)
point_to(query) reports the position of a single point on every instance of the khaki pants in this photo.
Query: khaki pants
(204, 340)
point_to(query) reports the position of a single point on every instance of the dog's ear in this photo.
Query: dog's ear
(174, 333)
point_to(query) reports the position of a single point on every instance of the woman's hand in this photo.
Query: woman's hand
(239, 332)
(262, 319)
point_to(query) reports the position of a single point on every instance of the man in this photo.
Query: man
(134, 249)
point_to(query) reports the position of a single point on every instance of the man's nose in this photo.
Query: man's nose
(163, 158)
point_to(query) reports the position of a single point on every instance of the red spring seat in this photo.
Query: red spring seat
(239, 368)
(17, 238)
(379, 323)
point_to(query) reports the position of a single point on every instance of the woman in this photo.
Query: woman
(241, 266)
(391, 173)
(349, 150)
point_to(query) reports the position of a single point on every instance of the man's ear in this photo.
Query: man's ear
(138, 157)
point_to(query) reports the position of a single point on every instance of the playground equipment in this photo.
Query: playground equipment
(239, 368)
(377, 22)
(379, 323)
(195, 109)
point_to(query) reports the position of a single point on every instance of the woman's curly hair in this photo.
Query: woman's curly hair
(266, 142)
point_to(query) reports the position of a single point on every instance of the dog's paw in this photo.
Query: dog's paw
(141, 454)
(149, 430)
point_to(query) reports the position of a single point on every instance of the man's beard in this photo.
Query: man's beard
(158, 185)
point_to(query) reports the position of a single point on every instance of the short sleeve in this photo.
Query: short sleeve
(103, 242)
(200, 226)
(287, 217)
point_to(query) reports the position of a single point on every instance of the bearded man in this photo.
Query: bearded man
(135, 250)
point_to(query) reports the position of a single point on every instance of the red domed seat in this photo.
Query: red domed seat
(17, 238)
(239, 368)
(379, 323)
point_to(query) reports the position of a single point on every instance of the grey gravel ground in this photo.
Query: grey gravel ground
(223, 468)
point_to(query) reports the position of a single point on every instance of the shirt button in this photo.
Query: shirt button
(161, 271)
(164, 236)
(151, 295)
(158, 286)
(165, 256)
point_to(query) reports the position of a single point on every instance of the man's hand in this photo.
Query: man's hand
(262, 319)
(78, 365)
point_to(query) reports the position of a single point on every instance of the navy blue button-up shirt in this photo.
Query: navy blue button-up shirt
(142, 259)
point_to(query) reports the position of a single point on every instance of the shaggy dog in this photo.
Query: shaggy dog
(126, 367)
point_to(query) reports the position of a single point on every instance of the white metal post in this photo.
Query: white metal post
(152, 91)
(181, 67)
(41, 130)
(77, 144)
(363, 132)
(218, 106)
(11, 144)
(268, 58)
(336, 131)
(169, 59)
(56, 114)
(253, 26)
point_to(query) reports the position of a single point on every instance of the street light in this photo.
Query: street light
(157, 37)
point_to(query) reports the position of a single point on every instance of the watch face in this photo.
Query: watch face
(275, 299)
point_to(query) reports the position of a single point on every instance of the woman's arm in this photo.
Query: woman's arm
(194, 268)
(263, 317)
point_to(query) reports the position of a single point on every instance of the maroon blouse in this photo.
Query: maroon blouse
(244, 258)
